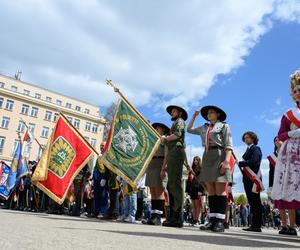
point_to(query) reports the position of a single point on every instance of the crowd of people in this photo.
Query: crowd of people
(104, 195)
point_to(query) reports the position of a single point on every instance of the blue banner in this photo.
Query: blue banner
(5, 192)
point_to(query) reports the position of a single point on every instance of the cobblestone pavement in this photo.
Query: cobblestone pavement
(23, 230)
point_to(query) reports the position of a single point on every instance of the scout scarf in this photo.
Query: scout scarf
(255, 178)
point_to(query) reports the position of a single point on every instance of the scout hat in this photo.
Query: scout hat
(184, 115)
(165, 127)
(295, 79)
(205, 109)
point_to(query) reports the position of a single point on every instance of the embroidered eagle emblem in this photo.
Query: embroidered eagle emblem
(126, 139)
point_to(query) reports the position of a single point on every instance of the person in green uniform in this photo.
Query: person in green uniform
(217, 140)
(176, 158)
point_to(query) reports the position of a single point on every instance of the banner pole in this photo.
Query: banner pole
(117, 90)
(78, 133)
(32, 135)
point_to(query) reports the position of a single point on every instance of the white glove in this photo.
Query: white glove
(102, 182)
(294, 133)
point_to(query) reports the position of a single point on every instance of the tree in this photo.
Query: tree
(109, 116)
(242, 199)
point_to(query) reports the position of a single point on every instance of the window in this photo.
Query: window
(58, 102)
(9, 104)
(34, 111)
(68, 105)
(76, 123)
(26, 92)
(31, 127)
(15, 146)
(87, 138)
(1, 102)
(48, 99)
(13, 88)
(95, 128)
(2, 84)
(2, 141)
(45, 132)
(5, 122)
(25, 109)
(48, 115)
(55, 117)
(77, 108)
(93, 142)
(70, 119)
(39, 154)
(88, 126)
(87, 111)
(21, 127)
(38, 96)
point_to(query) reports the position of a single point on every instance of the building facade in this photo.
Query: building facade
(39, 109)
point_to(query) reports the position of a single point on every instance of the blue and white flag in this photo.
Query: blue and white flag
(18, 168)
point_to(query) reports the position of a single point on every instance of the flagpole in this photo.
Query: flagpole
(29, 131)
(117, 90)
(78, 132)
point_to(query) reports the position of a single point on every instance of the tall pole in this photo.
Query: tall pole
(117, 90)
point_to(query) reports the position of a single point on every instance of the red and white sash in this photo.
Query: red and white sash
(272, 159)
(255, 178)
(294, 116)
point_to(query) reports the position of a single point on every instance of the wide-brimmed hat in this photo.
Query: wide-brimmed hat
(205, 109)
(180, 109)
(165, 127)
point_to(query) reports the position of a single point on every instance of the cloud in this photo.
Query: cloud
(274, 122)
(167, 51)
(163, 48)
(288, 10)
(278, 101)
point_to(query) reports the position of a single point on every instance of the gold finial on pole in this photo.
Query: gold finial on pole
(117, 90)
(110, 83)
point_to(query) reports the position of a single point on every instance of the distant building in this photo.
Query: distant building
(39, 109)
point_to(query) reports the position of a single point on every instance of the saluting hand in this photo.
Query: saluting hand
(196, 113)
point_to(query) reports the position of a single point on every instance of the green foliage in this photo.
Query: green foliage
(242, 199)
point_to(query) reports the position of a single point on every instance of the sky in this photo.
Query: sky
(234, 54)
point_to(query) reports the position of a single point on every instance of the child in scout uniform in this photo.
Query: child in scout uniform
(215, 174)
(153, 179)
(175, 159)
(285, 191)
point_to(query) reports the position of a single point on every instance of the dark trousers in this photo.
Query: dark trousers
(255, 205)
(113, 193)
(139, 211)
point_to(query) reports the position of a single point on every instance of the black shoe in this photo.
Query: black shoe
(283, 230)
(155, 220)
(292, 231)
(209, 225)
(226, 225)
(252, 229)
(218, 226)
(174, 223)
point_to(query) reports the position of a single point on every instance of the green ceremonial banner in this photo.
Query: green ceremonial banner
(131, 144)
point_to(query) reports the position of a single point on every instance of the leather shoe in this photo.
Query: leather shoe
(252, 229)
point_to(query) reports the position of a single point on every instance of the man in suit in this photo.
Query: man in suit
(251, 166)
